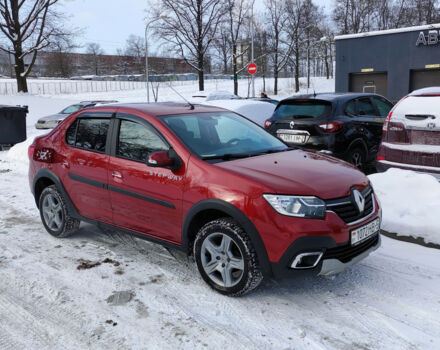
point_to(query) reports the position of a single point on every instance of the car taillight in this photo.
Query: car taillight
(267, 124)
(31, 151)
(386, 122)
(45, 155)
(332, 126)
(380, 157)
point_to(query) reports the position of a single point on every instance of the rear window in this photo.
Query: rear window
(302, 109)
(89, 134)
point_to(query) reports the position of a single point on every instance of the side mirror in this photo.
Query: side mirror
(164, 159)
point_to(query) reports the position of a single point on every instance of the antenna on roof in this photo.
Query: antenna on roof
(191, 106)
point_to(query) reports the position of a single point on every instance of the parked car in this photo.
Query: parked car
(210, 183)
(411, 134)
(257, 111)
(53, 120)
(265, 99)
(345, 125)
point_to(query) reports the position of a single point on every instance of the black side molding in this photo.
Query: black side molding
(116, 189)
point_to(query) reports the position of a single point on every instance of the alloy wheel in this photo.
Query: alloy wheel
(52, 212)
(222, 259)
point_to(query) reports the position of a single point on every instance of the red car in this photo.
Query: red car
(411, 134)
(209, 182)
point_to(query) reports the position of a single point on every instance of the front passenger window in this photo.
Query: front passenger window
(136, 141)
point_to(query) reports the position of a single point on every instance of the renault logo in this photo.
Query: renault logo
(292, 125)
(358, 200)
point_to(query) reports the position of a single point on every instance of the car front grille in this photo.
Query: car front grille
(348, 211)
(347, 252)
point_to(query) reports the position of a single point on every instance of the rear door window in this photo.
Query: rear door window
(89, 134)
(383, 106)
(350, 108)
(366, 107)
(298, 109)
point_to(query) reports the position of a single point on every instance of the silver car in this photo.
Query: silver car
(51, 121)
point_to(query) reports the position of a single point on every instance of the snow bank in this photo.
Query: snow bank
(254, 110)
(410, 203)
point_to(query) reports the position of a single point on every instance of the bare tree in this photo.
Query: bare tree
(189, 26)
(354, 16)
(279, 45)
(295, 25)
(222, 48)
(59, 62)
(237, 13)
(93, 58)
(28, 26)
(135, 47)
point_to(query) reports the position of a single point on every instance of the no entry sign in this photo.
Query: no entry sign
(252, 68)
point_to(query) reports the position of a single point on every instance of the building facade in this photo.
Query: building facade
(390, 62)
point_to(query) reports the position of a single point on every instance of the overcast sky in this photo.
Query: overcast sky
(110, 22)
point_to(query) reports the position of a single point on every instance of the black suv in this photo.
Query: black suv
(346, 125)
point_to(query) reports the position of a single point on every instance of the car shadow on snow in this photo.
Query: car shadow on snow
(177, 263)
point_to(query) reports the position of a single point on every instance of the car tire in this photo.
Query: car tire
(226, 258)
(357, 157)
(54, 213)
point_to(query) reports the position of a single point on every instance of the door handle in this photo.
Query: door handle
(117, 174)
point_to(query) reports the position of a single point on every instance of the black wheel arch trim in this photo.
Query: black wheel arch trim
(46, 173)
(236, 214)
(358, 141)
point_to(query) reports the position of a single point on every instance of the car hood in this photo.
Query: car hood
(58, 116)
(300, 172)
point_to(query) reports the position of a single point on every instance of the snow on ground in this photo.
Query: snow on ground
(144, 296)
(410, 203)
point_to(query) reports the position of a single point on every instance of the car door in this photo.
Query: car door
(369, 124)
(144, 199)
(86, 162)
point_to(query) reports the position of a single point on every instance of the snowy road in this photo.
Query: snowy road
(157, 300)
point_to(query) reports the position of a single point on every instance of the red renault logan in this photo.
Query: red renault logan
(209, 182)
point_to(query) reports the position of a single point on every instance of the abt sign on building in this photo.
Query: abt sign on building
(429, 38)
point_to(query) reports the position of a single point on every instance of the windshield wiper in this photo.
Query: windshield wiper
(227, 156)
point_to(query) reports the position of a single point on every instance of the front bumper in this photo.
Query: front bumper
(384, 165)
(334, 266)
(336, 257)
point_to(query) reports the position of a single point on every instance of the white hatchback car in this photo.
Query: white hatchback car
(411, 134)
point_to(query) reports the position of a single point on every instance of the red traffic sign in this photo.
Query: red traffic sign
(252, 68)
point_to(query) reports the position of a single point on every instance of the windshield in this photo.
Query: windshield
(222, 135)
(297, 109)
(71, 109)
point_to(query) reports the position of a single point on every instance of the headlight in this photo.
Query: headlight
(298, 206)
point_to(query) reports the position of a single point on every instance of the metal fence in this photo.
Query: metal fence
(60, 87)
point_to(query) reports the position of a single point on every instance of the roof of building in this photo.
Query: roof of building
(388, 31)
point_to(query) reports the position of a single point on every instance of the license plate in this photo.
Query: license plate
(292, 138)
(364, 232)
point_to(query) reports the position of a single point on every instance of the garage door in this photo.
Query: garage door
(369, 82)
(424, 78)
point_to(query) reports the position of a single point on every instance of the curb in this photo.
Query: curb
(409, 239)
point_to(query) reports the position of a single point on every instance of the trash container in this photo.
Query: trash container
(12, 124)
